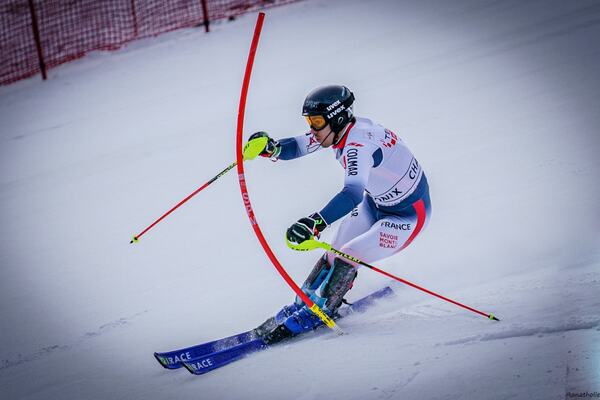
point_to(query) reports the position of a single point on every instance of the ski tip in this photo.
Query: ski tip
(161, 361)
(189, 368)
(493, 317)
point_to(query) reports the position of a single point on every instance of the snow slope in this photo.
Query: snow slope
(498, 100)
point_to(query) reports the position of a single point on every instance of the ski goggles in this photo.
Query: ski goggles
(317, 122)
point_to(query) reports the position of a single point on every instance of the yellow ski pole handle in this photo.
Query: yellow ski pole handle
(308, 245)
(254, 147)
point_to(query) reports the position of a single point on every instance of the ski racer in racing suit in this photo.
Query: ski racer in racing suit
(385, 200)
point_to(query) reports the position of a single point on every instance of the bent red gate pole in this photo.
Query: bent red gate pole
(244, 190)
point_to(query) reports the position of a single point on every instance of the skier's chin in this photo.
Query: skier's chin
(328, 138)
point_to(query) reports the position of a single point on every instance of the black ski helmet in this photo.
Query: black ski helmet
(333, 102)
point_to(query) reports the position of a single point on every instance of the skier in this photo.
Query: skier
(385, 193)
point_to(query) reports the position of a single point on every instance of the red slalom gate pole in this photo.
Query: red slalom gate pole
(136, 238)
(244, 190)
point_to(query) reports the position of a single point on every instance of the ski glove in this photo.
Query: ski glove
(306, 228)
(272, 148)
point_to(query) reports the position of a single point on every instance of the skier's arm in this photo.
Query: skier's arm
(287, 148)
(358, 162)
(298, 146)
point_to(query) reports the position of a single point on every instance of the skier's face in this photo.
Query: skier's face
(324, 136)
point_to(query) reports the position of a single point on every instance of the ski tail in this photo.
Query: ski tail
(174, 359)
(208, 362)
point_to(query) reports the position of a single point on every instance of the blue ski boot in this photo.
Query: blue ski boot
(333, 285)
(302, 321)
(292, 320)
(286, 312)
(272, 323)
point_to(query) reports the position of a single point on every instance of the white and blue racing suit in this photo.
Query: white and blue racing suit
(385, 190)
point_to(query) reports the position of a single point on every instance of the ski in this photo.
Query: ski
(174, 359)
(206, 357)
(208, 362)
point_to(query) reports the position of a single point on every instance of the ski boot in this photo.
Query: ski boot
(334, 283)
(272, 323)
(338, 282)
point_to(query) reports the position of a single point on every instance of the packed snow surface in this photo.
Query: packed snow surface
(499, 101)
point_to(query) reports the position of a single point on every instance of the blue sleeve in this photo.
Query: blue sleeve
(297, 146)
(342, 203)
(289, 149)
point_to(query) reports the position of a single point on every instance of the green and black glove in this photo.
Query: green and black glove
(306, 228)
(271, 149)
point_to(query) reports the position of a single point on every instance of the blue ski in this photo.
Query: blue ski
(208, 362)
(205, 357)
(173, 359)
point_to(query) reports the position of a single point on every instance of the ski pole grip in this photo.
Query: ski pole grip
(254, 147)
(308, 245)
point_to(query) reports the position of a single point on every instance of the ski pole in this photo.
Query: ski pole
(313, 244)
(251, 150)
(136, 238)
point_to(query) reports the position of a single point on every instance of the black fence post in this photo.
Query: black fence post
(135, 21)
(38, 42)
(206, 18)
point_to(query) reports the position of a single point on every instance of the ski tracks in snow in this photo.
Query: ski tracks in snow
(52, 349)
(518, 331)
